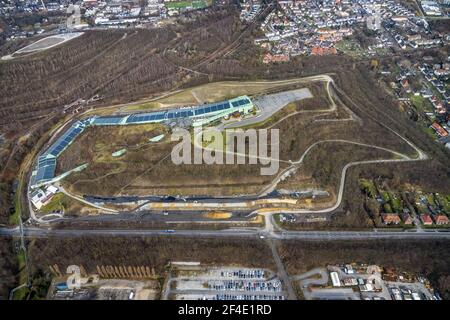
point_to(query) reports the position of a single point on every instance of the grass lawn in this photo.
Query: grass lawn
(368, 187)
(350, 48)
(422, 104)
(144, 106)
(211, 92)
(396, 204)
(218, 91)
(14, 218)
(385, 196)
(59, 202)
(198, 4)
(434, 226)
(21, 293)
(444, 201)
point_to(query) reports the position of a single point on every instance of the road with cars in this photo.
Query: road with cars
(36, 232)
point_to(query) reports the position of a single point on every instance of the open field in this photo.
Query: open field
(215, 91)
(324, 172)
(115, 66)
(195, 4)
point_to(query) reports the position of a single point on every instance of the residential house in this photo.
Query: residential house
(440, 219)
(390, 218)
(406, 218)
(426, 219)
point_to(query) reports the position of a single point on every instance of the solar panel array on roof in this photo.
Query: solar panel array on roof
(184, 113)
(46, 163)
(212, 108)
(240, 102)
(59, 145)
(45, 169)
(107, 121)
(145, 117)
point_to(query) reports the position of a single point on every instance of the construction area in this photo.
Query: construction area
(110, 283)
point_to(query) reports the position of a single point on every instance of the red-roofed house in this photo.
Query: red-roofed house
(407, 219)
(275, 58)
(441, 219)
(426, 219)
(321, 51)
(406, 86)
(439, 130)
(390, 218)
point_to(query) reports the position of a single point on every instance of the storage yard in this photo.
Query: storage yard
(363, 282)
(272, 103)
(105, 289)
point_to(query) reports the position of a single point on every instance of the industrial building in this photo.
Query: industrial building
(335, 279)
(199, 115)
(44, 172)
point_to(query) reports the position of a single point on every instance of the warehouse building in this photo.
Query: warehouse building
(335, 279)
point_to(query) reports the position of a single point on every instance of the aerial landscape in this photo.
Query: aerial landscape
(225, 150)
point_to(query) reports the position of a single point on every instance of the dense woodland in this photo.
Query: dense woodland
(8, 267)
(155, 252)
(117, 65)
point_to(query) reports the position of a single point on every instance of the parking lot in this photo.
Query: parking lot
(226, 284)
(230, 297)
(408, 291)
(272, 103)
(115, 293)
